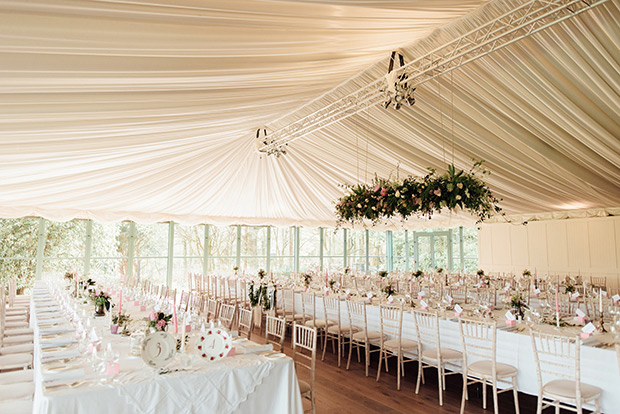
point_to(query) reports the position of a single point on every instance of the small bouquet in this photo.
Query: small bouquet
(100, 298)
(518, 304)
(480, 272)
(332, 285)
(307, 279)
(527, 273)
(569, 285)
(120, 319)
(261, 274)
(418, 274)
(347, 270)
(69, 275)
(439, 270)
(383, 273)
(388, 290)
(159, 320)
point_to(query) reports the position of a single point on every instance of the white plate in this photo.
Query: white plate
(214, 344)
(275, 356)
(158, 349)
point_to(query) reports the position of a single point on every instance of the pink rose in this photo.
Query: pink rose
(160, 324)
(377, 188)
(153, 316)
(384, 192)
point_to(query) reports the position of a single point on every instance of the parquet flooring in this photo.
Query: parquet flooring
(339, 391)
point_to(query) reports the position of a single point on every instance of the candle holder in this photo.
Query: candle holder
(601, 325)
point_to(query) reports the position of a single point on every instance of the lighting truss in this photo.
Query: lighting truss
(520, 22)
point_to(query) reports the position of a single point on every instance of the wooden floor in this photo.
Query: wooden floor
(339, 391)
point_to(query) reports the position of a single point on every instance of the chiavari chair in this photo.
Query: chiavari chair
(246, 322)
(275, 329)
(558, 357)
(479, 340)
(431, 353)
(304, 356)
(227, 315)
(336, 331)
(392, 342)
(363, 338)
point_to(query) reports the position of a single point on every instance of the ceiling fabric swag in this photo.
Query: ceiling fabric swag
(148, 111)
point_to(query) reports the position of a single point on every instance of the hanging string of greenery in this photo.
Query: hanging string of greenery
(422, 197)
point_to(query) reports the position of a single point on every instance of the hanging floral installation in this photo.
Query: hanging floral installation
(384, 199)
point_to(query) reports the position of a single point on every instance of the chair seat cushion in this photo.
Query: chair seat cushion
(304, 387)
(447, 354)
(566, 389)
(17, 391)
(319, 323)
(16, 407)
(14, 377)
(343, 329)
(17, 349)
(372, 336)
(485, 369)
(406, 344)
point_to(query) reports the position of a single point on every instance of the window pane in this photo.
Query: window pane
(110, 249)
(64, 247)
(253, 241)
(376, 250)
(333, 243)
(399, 247)
(18, 248)
(282, 241)
(189, 241)
(223, 242)
(309, 240)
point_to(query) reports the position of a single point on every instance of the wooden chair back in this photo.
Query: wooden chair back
(246, 322)
(275, 330)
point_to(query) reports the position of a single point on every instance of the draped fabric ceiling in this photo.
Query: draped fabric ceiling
(147, 110)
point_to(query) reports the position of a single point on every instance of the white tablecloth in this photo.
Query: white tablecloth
(241, 384)
(598, 365)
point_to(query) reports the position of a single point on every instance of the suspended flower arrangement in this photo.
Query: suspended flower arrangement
(419, 196)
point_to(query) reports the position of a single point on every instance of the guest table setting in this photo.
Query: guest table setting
(129, 361)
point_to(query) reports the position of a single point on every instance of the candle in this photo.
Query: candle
(120, 303)
(183, 334)
(174, 317)
(600, 300)
(557, 308)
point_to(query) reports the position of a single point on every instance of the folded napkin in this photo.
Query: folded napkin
(51, 378)
(50, 321)
(249, 347)
(63, 340)
(55, 356)
(55, 330)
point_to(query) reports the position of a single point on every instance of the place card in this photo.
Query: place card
(423, 304)
(575, 295)
(421, 294)
(616, 298)
(390, 299)
(458, 311)
(587, 330)
(449, 299)
(604, 293)
(510, 316)
(537, 291)
(581, 317)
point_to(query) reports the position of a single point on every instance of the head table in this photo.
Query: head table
(67, 381)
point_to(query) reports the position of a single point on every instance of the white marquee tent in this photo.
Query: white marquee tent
(148, 110)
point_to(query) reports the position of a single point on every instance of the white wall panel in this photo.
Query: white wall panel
(589, 246)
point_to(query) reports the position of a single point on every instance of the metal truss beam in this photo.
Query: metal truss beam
(524, 20)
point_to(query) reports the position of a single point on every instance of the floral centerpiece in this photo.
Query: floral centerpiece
(69, 275)
(569, 285)
(480, 272)
(439, 270)
(259, 296)
(418, 274)
(101, 300)
(307, 277)
(419, 196)
(235, 269)
(527, 273)
(332, 285)
(388, 290)
(159, 321)
(383, 273)
(347, 270)
(120, 321)
(518, 303)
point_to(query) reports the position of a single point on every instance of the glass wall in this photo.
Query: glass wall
(170, 252)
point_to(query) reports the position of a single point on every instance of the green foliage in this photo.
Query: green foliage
(388, 290)
(421, 196)
(259, 296)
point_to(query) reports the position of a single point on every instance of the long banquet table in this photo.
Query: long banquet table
(248, 383)
(598, 365)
